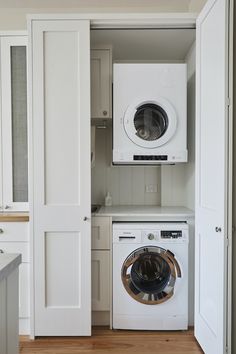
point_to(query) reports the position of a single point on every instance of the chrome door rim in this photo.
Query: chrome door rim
(145, 297)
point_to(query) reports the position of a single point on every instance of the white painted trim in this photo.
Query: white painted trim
(126, 20)
(13, 33)
(229, 269)
(30, 182)
(1, 157)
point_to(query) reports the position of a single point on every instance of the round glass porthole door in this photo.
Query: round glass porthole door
(149, 275)
(150, 123)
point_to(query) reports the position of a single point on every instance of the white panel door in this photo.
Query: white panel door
(212, 165)
(60, 190)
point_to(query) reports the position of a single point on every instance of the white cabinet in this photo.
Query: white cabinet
(101, 269)
(101, 82)
(14, 238)
(101, 226)
(13, 117)
(9, 275)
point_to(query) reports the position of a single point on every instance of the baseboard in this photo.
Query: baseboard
(24, 326)
(100, 318)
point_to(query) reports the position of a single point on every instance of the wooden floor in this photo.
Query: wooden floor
(104, 341)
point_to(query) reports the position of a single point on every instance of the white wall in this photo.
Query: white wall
(125, 183)
(190, 167)
(178, 180)
(196, 5)
(13, 12)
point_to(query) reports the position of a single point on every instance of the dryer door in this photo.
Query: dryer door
(149, 274)
(150, 123)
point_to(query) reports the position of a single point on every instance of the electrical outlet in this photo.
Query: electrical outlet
(151, 188)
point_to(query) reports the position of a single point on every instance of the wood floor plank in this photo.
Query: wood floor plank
(104, 341)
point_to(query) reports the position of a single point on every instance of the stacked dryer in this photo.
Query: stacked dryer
(149, 113)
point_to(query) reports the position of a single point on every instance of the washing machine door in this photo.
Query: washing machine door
(150, 123)
(149, 274)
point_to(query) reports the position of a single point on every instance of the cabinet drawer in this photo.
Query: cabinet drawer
(101, 233)
(100, 280)
(14, 231)
(16, 247)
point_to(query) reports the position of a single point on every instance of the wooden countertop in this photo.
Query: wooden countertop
(14, 217)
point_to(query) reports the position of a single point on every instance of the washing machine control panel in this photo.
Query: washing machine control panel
(171, 234)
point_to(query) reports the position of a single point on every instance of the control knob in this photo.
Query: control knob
(151, 237)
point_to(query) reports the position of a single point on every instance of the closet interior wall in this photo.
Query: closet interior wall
(175, 183)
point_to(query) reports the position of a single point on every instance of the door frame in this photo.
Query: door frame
(149, 21)
(126, 20)
(230, 199)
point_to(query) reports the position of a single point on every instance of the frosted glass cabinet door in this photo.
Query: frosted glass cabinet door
(14, 123)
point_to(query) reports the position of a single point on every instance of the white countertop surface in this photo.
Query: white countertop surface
(144, 210)
(8, 262)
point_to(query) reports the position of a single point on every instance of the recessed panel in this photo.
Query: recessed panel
(61, 117)
(208, 289)
(96, 291)
(62, 269)
(212, 113)
(96, 86)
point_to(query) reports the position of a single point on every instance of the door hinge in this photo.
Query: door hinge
(226, 350)
(227, 242)
(228, 101)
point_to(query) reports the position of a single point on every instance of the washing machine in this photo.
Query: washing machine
(150, 276)
(149, 113)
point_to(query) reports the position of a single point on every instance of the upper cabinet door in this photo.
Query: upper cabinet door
(101, 83)
(213, 154)
(60, 198)
(14, 123)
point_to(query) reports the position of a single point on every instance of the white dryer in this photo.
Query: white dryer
(149, 113)
(150, 276)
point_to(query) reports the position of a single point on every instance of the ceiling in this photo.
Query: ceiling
(146, 45)
(146, 5)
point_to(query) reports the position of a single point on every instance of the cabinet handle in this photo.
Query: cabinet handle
(7, 207)
(1, 231)
(104, 113)
(86, 218)
(218, 229)
(1, 251)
